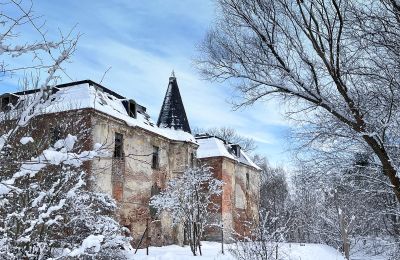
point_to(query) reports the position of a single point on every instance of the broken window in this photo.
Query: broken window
(236, 149)
(192, 158)
(155, 157)
(118, 148)
(130, 107)
(247, 181)
(4, 103)
(8, 101)
(55, 135)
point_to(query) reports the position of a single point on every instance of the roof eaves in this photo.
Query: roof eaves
(74, 83)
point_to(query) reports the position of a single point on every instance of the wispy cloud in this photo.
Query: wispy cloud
(142, 41)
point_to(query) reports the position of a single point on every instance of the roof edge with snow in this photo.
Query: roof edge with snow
(213, 146)
(87, 94)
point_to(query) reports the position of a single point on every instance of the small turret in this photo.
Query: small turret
(172, 114)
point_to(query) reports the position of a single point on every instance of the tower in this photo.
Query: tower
(172, 114)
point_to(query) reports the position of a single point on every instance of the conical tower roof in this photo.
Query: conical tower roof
(172, 114)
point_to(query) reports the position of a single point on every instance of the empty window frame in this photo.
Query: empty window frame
(4, 103)
(118, 146)
(132, 109)
(55, 134)
(155, 157)
(192, 160)
(7, 102)
(236, 149)
(247, 181)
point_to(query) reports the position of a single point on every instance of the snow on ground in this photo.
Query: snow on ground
(26, 139)
(295, 251)
(371, 249)
(212, 251)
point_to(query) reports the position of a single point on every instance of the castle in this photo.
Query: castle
(145, 155)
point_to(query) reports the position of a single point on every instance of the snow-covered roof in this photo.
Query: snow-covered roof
(87, 94)
(211, 146)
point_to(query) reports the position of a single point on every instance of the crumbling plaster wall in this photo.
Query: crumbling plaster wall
(239, 201)
(246, 199)
(139, 179)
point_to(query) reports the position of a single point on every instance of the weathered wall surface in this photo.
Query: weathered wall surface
(45, 130)
(240, 197)
(132, 179)
(246, 209)
(214, 233)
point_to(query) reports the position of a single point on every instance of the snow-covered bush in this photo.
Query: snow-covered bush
(47, 206)
(47, 209)
(189, 200)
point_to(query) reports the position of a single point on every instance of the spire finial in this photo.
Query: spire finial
(173, 74)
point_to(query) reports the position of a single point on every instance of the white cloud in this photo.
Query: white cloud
(142, 43)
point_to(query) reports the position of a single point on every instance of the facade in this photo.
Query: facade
(240, 192)
(143, 156)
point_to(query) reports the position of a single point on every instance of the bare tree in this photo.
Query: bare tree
(336, 62)
(44, 56)
(346, 208)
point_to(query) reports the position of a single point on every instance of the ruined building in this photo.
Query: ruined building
(145, 155)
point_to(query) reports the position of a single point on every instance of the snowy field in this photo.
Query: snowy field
(212, 251)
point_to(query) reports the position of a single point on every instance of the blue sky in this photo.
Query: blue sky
(142, 42)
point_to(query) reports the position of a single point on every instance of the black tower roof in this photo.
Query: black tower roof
(172, 114)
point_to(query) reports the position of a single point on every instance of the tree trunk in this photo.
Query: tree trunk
(194, 242)
(343, 231)
(387, 166)
(345, 237)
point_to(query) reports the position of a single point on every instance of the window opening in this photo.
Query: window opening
(55, 135)
(118, 149)
(192, 160)
(132, 109)
(155, 157)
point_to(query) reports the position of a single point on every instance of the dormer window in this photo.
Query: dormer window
(130, 106)
(236, 149)
(132, 109)
(7, 101)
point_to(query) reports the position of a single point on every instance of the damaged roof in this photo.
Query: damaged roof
(212, 146)
(88, 94)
